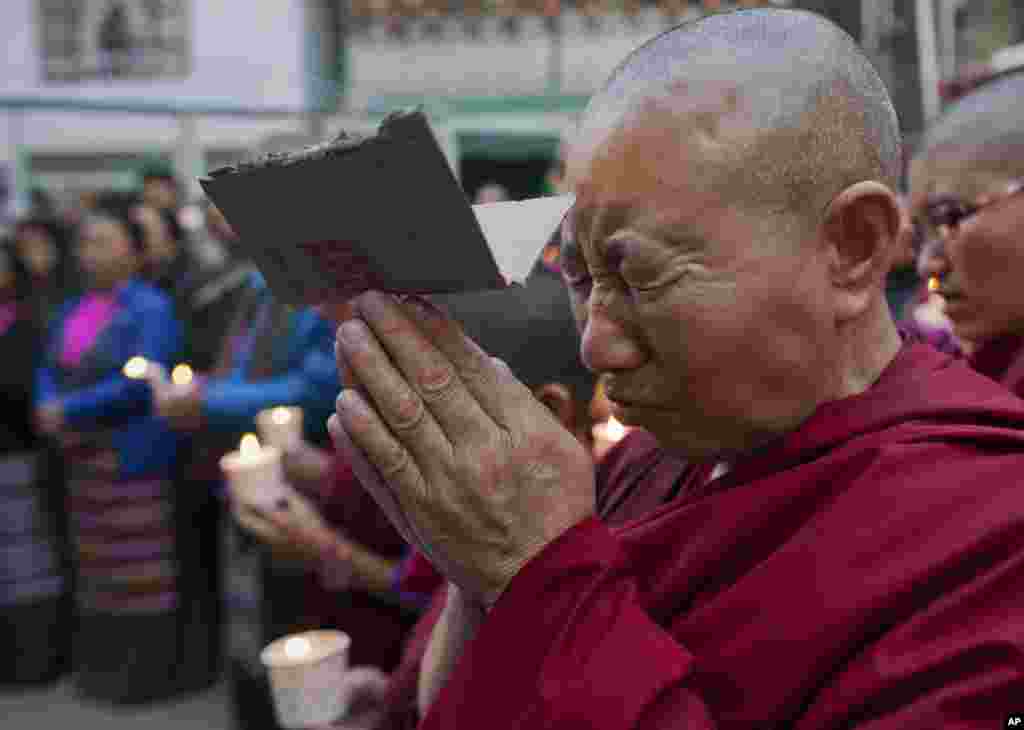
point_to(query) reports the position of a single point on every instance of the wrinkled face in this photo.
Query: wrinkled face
(37, 250)
(980, 264)
(708, 318)
(105, 252)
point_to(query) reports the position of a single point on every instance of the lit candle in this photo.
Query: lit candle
(139, 368)
(933, 283)
(307, 673)
(254, 474)
(281, 426)
(611, 430)
(606, 435)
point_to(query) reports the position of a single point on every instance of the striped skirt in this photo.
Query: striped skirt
(128, 644)
(33, 619)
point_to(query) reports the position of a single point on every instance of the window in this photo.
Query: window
(113, 39)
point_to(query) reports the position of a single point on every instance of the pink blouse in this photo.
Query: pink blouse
(84, 325)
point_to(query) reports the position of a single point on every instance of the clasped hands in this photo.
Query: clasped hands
(472, 470)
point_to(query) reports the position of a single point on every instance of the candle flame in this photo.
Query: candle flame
(280, 415)
(614, 430)
(297, 647)
(250, 445)
(182, 375)
(933, 283)
(136, 367)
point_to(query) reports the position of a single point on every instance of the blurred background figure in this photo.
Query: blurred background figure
(119, 459)
(160, 188)
(44, 245)
(967, 181)
(35, 623)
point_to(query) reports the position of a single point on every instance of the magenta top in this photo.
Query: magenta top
(84, 324)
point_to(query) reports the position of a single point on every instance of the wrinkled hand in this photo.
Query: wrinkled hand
(470, 468)
(296, 528)
(50, 418)
(181, 406)
(306, 467)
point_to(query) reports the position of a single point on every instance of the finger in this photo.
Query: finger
(253, 523)
(430, 373)
(490, 387)
(371, 479)
(404, 411)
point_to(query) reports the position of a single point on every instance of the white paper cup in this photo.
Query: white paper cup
(309, 690)
(257, 481)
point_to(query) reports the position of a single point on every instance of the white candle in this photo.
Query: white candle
(307, 674)
(281, 426)
(139, 368)
(254, 474)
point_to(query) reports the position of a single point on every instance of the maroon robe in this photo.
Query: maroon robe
(865, 571)
(1003, 361)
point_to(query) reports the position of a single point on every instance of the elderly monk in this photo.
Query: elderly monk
(966, 185)
(846, 548)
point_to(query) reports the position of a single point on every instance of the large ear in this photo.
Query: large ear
(558, 399)
(861, 227)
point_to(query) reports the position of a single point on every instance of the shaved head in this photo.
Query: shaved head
(983, 132)
(789, 111)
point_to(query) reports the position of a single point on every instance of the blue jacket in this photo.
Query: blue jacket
(308, 377)
(144, 325)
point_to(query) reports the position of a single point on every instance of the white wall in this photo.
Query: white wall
(494, 64)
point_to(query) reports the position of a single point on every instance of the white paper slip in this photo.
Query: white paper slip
(516, 231)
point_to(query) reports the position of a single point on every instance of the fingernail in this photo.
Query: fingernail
(421, 308)
(350, 401)
(352, 332)
(334, 429)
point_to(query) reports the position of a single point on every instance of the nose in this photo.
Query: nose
(607, 346)
(932, 261)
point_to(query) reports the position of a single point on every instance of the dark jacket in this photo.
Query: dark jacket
(20, 343)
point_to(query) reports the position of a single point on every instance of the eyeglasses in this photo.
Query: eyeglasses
(947, 212)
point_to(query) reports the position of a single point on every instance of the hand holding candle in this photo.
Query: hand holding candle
(254, 475)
